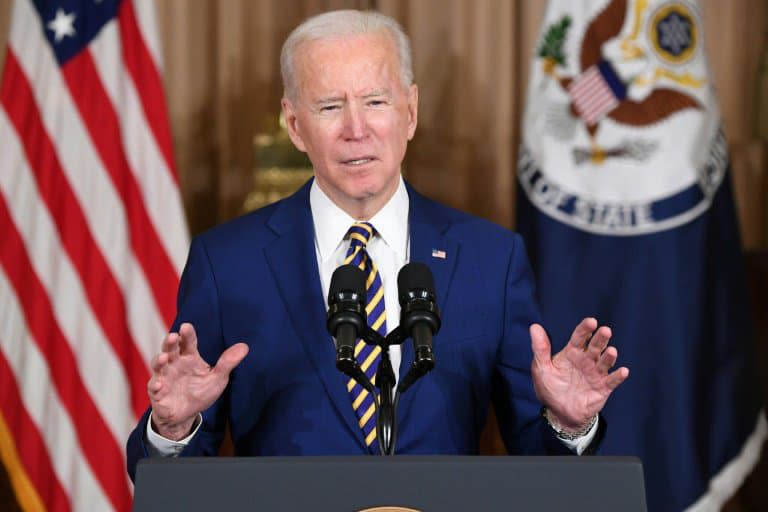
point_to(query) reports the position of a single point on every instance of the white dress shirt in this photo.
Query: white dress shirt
(389, 250)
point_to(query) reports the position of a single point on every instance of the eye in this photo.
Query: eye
(329, 108)
(376, 103)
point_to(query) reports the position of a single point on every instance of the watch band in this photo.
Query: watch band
(565, 434)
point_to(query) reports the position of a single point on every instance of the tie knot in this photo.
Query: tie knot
(360, 234)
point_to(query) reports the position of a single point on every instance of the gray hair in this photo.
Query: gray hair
(340, 24)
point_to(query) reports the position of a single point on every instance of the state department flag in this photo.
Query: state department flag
(92, 241)
(627, 211)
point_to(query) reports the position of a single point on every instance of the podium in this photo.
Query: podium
(421, 483)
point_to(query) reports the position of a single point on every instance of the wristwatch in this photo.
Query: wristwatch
(564, 434)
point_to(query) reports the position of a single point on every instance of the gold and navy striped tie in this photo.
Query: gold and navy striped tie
(367, 356)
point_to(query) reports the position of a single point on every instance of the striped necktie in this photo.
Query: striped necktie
(367, 356)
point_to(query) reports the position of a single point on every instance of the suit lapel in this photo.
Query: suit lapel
(293, 262)
(429, 244)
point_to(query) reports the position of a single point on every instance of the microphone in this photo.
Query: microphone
(346, 319)
(419, 318)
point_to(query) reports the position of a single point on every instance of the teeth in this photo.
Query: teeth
(358, 161)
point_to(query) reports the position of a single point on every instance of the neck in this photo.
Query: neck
(361, 209)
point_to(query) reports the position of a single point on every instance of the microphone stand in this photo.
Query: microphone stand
(386, 418)
(385, 421)
(421, 321)
(386, 424)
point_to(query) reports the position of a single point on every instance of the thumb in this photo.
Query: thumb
(231, 358)
(542, 349)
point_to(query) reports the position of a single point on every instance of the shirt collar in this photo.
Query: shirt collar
(332, 223)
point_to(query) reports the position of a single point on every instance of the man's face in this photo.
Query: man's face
(353, 117)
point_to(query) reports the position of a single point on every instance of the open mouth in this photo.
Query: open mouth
(358, 161)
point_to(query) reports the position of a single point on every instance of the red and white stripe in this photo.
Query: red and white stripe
(93, 242)
(591, 95)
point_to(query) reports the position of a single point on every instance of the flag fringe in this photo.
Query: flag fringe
(25, 492)
(725, 483)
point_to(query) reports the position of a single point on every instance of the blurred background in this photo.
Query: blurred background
(471, 61)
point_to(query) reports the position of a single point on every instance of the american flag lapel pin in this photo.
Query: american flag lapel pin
(438, 253)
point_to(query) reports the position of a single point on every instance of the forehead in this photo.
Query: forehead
(348, 64)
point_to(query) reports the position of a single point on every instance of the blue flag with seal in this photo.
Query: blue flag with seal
(626, 207)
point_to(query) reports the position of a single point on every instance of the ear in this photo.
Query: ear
(291, 121)
(413, 109)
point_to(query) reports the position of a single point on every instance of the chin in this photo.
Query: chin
(365, 186)
(363, 194)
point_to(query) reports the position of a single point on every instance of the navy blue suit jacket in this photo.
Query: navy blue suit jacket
(255, 279)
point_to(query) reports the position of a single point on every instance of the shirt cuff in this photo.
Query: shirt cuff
(580, 444)
(159, 446)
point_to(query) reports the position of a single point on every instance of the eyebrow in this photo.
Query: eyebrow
(328, 99)
(377, 92)
(334, 99)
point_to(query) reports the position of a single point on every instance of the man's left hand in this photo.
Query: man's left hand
(575, 384)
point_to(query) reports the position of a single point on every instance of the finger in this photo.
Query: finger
(617, 377)
(607, 359)
(231, 358)
(170, 346)
(154, 386)
(188, 343)
(599, 341)
(154, 363)
(582, 333)
(542, 348)
(159, 362)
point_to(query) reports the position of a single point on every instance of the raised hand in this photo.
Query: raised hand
(183, 384)
(575, 384)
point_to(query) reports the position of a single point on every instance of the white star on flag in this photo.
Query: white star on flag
(62, 25)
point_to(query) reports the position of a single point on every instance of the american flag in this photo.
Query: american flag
(92, 241)
(596, 92)
(438, 253)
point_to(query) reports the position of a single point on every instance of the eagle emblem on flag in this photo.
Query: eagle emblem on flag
(622, 132)
(612, 66)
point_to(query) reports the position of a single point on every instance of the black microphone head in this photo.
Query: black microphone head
(412, 277)
(346, 301)
(345, 280)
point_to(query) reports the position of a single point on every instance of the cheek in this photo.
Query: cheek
(389, 132)
(398, 140)
(319, 144)
(317, 131)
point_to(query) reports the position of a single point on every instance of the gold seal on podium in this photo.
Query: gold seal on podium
(389, 509)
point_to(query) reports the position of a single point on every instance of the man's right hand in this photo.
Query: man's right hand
(183, 384)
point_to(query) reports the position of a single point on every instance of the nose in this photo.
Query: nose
(355, 126)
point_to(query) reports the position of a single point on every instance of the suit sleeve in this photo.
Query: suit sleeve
(515, 402)
(197, 303)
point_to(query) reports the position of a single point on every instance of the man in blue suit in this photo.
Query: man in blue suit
(249, 345)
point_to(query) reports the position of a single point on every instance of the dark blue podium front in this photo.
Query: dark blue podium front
(433, 483)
